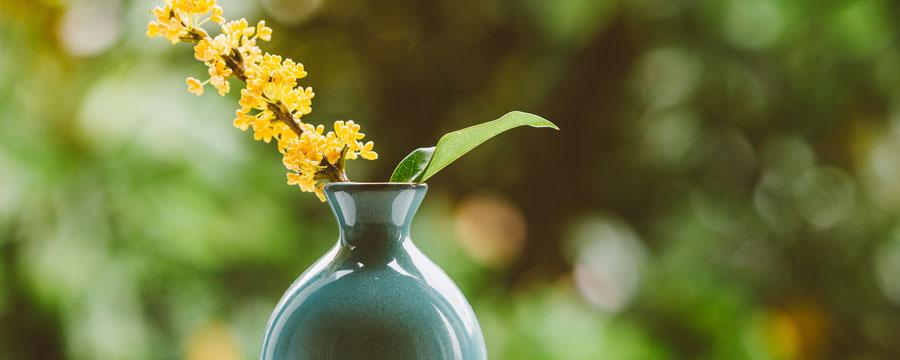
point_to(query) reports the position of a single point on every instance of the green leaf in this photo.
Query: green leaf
(423, 163)
(412, 167)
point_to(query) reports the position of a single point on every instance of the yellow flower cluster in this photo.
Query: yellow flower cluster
(272, 103)
(177, 17)
(271, 86)
(306, 153)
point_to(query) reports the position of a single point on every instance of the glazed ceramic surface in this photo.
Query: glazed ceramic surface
(374, 295)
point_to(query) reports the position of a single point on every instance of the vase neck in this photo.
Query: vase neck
(374, 215)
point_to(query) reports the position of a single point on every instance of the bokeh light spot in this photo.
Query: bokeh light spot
(860, 28)
(881, 169)
(395, 25)
(291, 12)
(820, 197)
(608, 262)
(570, 22)
(887, 268)
(212, 341)
(491, 229)
(667, 137)
(799, 330)
(753, 23)
(826, 196)
(667, 76)
(90, 27)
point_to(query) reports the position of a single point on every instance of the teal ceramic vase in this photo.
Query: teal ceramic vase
(374, 295)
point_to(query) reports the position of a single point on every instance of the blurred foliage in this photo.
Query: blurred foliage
(725, 184)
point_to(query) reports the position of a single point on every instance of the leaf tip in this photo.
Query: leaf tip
(541, 123)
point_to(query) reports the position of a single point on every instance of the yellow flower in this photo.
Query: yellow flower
(235, 30)
(219, 69)
(210, 49)
(262, 32)
(320, 192)
(221, 85)
(154, 29)
(348, 132)
(272, 101)
(366, 151)
(242, 120)
(264, 133)
(170, 28)
(216, 16)
(333, 154)
(195, 86)
(178, 18)
(194, 6)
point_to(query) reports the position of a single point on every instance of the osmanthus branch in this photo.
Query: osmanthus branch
(235, 63)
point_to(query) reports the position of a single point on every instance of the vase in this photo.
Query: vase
(374, 295)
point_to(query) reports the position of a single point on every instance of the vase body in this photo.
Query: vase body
(374, 295)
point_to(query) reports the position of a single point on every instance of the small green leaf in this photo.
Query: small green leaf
(413, 165)
(453, 145)
(456, 144)
(423, 163)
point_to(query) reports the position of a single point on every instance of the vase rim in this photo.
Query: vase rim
(335, 186)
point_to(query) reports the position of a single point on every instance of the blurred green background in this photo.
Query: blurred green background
(726, 184)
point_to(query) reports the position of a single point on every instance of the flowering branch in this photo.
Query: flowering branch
(272, 101)
(234, 61)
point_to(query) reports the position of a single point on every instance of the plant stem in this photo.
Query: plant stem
(331, 172)
(339, 175)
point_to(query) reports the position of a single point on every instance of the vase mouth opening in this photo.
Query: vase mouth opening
(372, 186)
(373, 206)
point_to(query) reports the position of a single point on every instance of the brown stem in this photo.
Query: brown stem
(284, 116)
(234, 61)
(333, 173)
